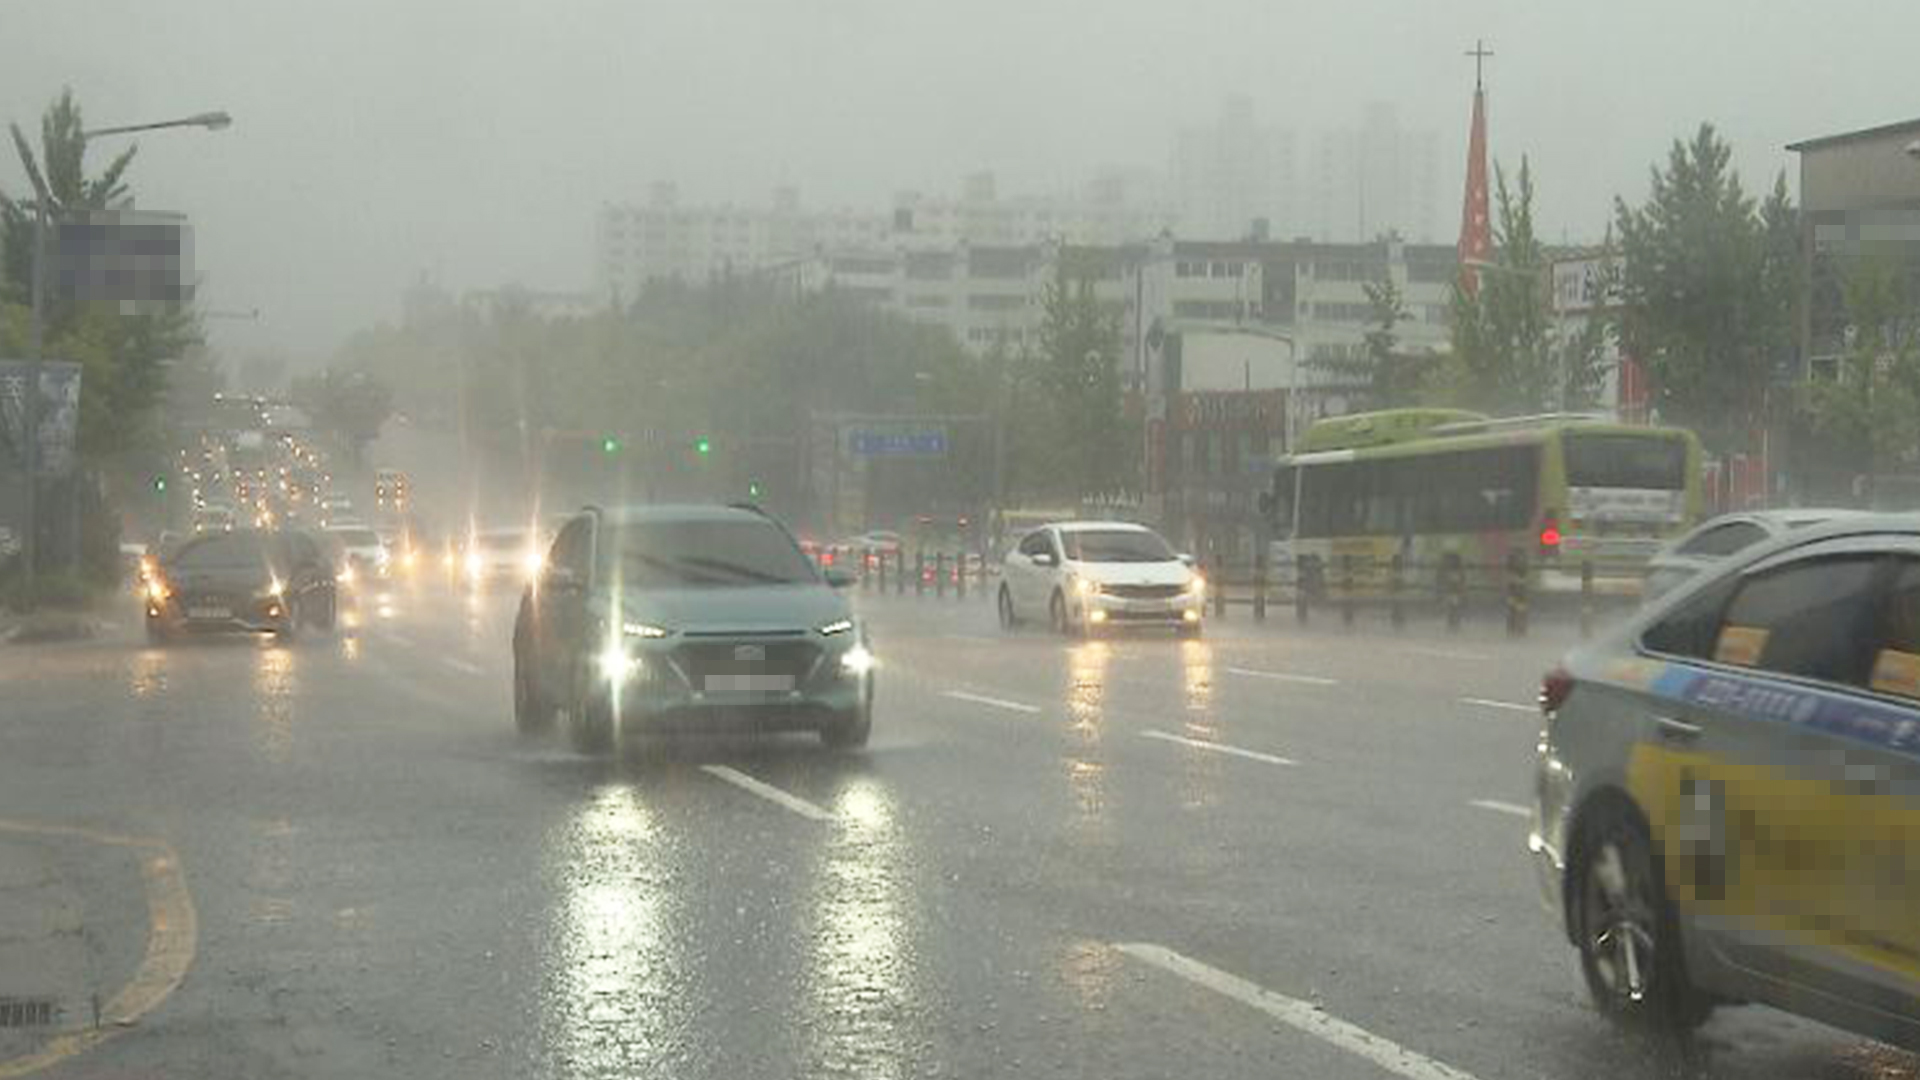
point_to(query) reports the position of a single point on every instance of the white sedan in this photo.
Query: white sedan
(1084, 576)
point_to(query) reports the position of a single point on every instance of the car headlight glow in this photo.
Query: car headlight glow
(474, 565)
(276, 588)
(615, 664)
(1087, 587)
(533, 563)
(1197, 585)
(644, 630)
(157, 590)
(857, 660)
(837, 626)
(345, 576)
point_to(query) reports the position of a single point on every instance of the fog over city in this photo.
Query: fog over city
(474, 142)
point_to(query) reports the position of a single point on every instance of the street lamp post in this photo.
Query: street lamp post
(30, 412)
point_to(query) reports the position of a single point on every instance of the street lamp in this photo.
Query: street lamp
(30, 413)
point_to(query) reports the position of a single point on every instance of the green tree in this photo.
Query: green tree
(1088, 442)
(1504, 352)
(1707, 290)
(352, 406)
(1868, 415)
(1384, 374)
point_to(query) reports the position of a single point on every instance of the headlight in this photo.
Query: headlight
(345, 576)
(533, 562)
(644, 630)
(157, 590)
(837, 626)
(276, 588)
(857, 660)
(474, 565)
(615, 664)
(1088, 588)
(1196, 586)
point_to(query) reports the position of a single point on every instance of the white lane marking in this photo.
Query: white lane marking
(1498, 807)
(795, 803)
(401, 640)
(1218, 748)
(1303, 1016)
(1446, 654)
(998, 703)
(1489, 703)
(458, 664)
(1282, 676)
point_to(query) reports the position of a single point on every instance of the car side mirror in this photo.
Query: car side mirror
(839, 577)
(1046, 558)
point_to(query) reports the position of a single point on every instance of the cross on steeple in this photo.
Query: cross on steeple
(1479, 52)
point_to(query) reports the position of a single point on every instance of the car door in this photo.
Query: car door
(1020, 570)
(1746, 788)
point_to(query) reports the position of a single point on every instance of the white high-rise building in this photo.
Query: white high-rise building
(1229, 175)
(1377, 178)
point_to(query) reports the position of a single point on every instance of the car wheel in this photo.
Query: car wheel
(1008, 620)
(1626, 929)
(849, 730)
(531, 715)
(590, 724)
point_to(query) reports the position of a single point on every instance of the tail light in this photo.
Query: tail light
(1550, 533)
(1555, 687)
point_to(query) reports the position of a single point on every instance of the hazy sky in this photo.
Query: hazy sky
(375, 139)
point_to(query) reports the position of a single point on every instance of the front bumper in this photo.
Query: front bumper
(675, 684)
(253, 616)
(1182, 609)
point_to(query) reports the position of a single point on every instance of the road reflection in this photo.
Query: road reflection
(273, 693)
(1085, 762)
(859, 964)
(617, 997)
(1199, 772)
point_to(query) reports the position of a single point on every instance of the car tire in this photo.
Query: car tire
(1057, 617)
(590, 724)
(531, 714)
(851, 729)
(1625, 927)
(1008, 619)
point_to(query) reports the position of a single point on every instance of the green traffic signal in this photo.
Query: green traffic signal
(753, 489)
(702, 447)
(609, 445)
(160, 483)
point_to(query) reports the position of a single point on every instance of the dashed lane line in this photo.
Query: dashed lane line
(1217, 748)
(1508, 706)
(810, 811)
(993, 702)
(1303, 1016)
(1498, 807)
(1283, 676)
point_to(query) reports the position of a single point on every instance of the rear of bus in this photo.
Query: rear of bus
(1611, 495)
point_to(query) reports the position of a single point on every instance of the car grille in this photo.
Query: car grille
(1144, 592)
(210, 598)
(721, 656)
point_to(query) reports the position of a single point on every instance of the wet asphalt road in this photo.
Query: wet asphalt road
(1128, 858)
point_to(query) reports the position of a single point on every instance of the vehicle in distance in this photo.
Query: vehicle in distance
(213, 518)
(390, 490)
(243, 580)
(333, 507)
(1722, 537)
(362, 554)
(1082, 576)
(506, 553)
(688, 617)
(1727, 799)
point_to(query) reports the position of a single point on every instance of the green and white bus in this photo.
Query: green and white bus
(1443, 488)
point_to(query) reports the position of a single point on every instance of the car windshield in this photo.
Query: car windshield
(706, 554)
(1115, 545)
(227, 551)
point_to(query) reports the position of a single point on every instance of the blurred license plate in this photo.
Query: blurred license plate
(209, 613)
(748, 683)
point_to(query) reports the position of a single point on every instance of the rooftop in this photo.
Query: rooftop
(1823, 142)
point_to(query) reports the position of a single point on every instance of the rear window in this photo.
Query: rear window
(704, 554)
(1626, 461)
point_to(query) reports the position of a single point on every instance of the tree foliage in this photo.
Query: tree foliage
(1384, 375)
(1707, 289)
(351, 406)
(1071, 434)
(1868, 415)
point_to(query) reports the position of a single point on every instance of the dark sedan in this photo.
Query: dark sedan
(247, 581)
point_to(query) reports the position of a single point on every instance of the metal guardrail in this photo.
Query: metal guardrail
(1346, 586)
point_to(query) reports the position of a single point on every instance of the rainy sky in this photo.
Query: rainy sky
(377, 139)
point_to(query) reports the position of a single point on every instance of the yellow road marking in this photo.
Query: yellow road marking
(173, 931)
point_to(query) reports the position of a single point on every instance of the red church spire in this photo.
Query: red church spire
(1476, 227)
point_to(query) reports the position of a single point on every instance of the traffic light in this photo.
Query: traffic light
(610, 445)
(160, 483)
(753, 489)
(702, 446)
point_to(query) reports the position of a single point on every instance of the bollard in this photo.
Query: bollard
(1586, 598)
(1395, 609)
(1346, 589)
(900, 572)
(960, 576)
(920, 572)
(1260, 587)
(1453, 586)
(1516, 594)
(1300, 599)
(940, 575)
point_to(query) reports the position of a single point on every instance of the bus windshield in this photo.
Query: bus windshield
(1625, 461)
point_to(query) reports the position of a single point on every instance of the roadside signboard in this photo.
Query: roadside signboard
(897, 440)
(59, 414)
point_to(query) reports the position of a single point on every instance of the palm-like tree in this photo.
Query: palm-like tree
(59, 170)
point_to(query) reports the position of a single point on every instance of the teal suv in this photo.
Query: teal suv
(701, 618)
